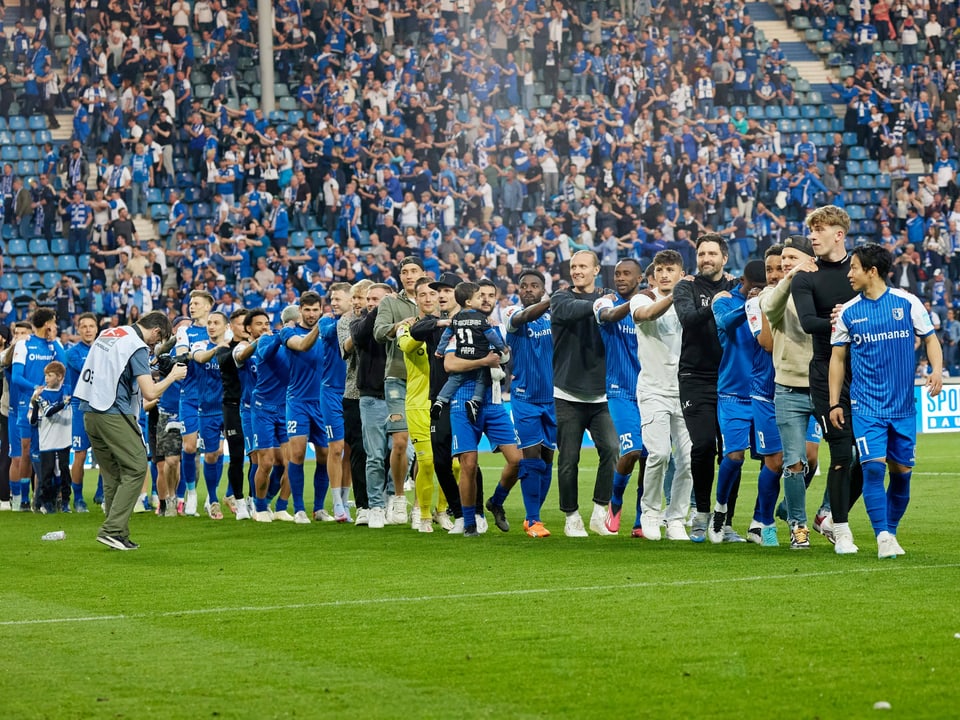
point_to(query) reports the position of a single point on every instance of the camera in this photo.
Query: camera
(166, 361)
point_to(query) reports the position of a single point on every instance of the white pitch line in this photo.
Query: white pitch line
(889, 567)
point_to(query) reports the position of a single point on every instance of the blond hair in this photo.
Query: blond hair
(829, 216)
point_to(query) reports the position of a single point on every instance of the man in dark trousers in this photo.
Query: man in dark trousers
(700, 355)
(579, 391)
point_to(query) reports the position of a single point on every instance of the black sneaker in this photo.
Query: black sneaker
(436, 409)
(470, 531)
(111, 541)
(499, 516)
(473, 409)
(64, 506)
(129, 544)
(26, 506)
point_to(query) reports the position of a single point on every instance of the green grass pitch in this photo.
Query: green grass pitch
(239, 620)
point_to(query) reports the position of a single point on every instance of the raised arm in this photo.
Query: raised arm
(689, 313)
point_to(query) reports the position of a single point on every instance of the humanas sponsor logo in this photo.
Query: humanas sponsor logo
(860, 338)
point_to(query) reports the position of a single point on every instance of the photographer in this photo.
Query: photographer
(114, 377)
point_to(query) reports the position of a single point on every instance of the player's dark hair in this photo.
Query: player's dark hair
(85, 316)
(421, 281)
(714, 238)
(536, 273)
(41, 316)
(157, 319)
(253, 315)
(464, 291)
(876, 256)
(635, 262)
(221, 314)
(23, 325)
(773, 250)
(668, 257)
(486, 282)
(238, 313)
(310, 298)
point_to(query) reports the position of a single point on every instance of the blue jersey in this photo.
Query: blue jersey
(210, 383)
(248, 379)
(273, 371)
(191, 339)
(170, 400)
(531, 346)
(620, 349)
(737, 342)
(76, 356)
(881, 335)
(761, 383)
(30, 357)
(305, 377)
(334, 375)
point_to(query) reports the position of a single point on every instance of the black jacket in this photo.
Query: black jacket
(579, 360)
(426, 331)
(700, 351)
(371, 356)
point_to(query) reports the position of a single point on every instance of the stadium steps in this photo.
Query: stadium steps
(146, 229)
(62, 133)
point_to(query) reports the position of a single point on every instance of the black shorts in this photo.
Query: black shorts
(232, 425)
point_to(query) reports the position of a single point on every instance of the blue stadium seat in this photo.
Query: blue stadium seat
(827, 112)
(154, 195)
(58, 246)
(10, 281)
(849, 182)
(17, 246)
(37, 122)
(10, 153)
(773, 112)
(809, 111)
(871, 167)
(296, 239)
(163, 228)
(30, 152)
(855, 212)
(755, 112)
(23, 262)
(883, 181)
(868, 227)
(785, 125)
(66, 263)
(38, 246)
(821, 125)
(191, 194)
(850, 138)
(853, 167)
(804, 125)
(159, 212)
(277, 117)
(201, 211)
(6, 137)
(180, 165)
(26, 168)
(860, 197)
(23, 137)
(791, 111)
(17, 122)
(294, 116)
(42, 136)
(867, 182)
(3, 123)
(286, 104)
(45, 263)
(857, 153)
(818, 139)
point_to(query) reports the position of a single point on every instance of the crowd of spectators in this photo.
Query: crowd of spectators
(481, 136)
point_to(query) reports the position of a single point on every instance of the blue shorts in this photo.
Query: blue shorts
(13, 437)
(269, 426)
(814, 431)
(879, 439)
(331, 405)
(492, 421)
(81, 443)
(736, 417)
(766, 434)
(626, 421)
(189, 418)
(246, 423)
(535, 424)
(306, 418)
(211, 430)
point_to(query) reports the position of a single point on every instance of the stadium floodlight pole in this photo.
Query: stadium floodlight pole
(265, 25)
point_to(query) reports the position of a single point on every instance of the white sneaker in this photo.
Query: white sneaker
(886, 546)
(323, 516)
(896, 546)
(844, 543)
(573, 527)
(400, 509)
(363, 516)
(457, 528)
(263, 516)
(650, 524)
(675, 530)
(243, 510)
(282, 516)
(443, 520)
(409, 485)
(15, 504)
(377, 518)
(154, 501)
(301, 518)
(713, 535)
(426, 526)
(482, 525)
(415, 518)
(190, 504)
(5, 506)
(598, 520)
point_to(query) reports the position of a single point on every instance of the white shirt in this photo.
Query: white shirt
(658, 348)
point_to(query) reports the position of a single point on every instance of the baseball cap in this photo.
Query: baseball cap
(800, 243)
(412, 261)
(446, 280)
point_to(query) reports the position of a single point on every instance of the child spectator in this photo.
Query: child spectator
(51, 411)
